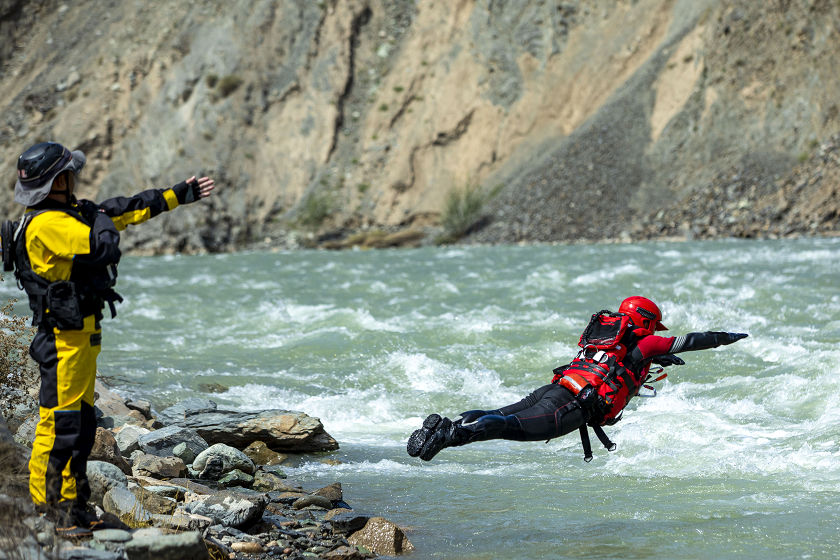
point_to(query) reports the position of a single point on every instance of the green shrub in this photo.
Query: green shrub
(229, 84)
(315, 210)
(211, 80)
(462, 210)
(363, 187)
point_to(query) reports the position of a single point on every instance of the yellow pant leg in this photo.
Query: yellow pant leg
(65, 434)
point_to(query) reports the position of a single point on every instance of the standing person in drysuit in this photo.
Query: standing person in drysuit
(617, 350)
(65, 252)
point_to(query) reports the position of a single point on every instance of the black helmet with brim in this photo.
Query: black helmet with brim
(38, 167)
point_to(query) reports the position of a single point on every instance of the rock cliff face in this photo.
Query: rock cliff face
(336, 114)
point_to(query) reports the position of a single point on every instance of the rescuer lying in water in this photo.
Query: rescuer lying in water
(617, 350)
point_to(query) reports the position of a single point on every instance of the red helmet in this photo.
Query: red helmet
(644, 312)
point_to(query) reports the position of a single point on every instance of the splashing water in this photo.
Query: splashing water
(737, 458)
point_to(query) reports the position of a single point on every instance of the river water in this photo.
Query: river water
(736, 458)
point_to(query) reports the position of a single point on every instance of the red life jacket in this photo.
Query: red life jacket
(604, 343)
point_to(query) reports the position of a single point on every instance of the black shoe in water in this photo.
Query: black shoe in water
(419, 437)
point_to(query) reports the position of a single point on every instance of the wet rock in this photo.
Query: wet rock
(260, 454)
(270, 482)
(105, 449)
(236, 478)
(153, 502)
(331, 492)
(158, 467)
(381, 537)
(346, 521)
(127, 438)
(229, 508)
(102, 477)
(185, 546)
(183, 452)
(231, 459)
(162, 442)
(279, 429)
(312, 500)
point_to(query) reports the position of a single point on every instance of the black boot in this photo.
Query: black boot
(419, 438)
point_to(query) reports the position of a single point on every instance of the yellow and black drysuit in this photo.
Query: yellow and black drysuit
(66, 256)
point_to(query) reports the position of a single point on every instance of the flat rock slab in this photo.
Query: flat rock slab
(112, 535)
(193, 487)
(282, 430)
(185, 546)
(164, 441)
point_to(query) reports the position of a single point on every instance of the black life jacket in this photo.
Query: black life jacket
(65, 303)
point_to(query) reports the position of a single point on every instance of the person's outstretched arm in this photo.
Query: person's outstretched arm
(652, 346)
(132, 210)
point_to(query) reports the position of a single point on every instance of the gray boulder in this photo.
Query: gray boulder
(283, 430)
(184, 546)
(231, 459)
(125, 505)
(236, 478)
(105, 449)
(163, 442)
(183, 452)
(103, 477)
(127, 438)
(158, 467)
(229, 508)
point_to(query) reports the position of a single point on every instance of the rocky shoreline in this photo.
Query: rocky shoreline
(197, 482)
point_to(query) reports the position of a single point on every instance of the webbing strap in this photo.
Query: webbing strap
(605, 441)
(584, 441)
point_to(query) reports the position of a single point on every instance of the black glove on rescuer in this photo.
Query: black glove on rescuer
(668, 360)
(187, 192)
(733, 337)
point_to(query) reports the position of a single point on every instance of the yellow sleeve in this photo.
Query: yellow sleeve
(52, 240)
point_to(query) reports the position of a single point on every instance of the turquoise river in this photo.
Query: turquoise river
(738, 456)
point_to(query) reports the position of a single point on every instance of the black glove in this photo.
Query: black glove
(88, 210)
(731, 338)
(668, 360)
(187, 192)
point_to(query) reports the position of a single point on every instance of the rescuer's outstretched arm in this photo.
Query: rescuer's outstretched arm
(704, 341)
(132, 210)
